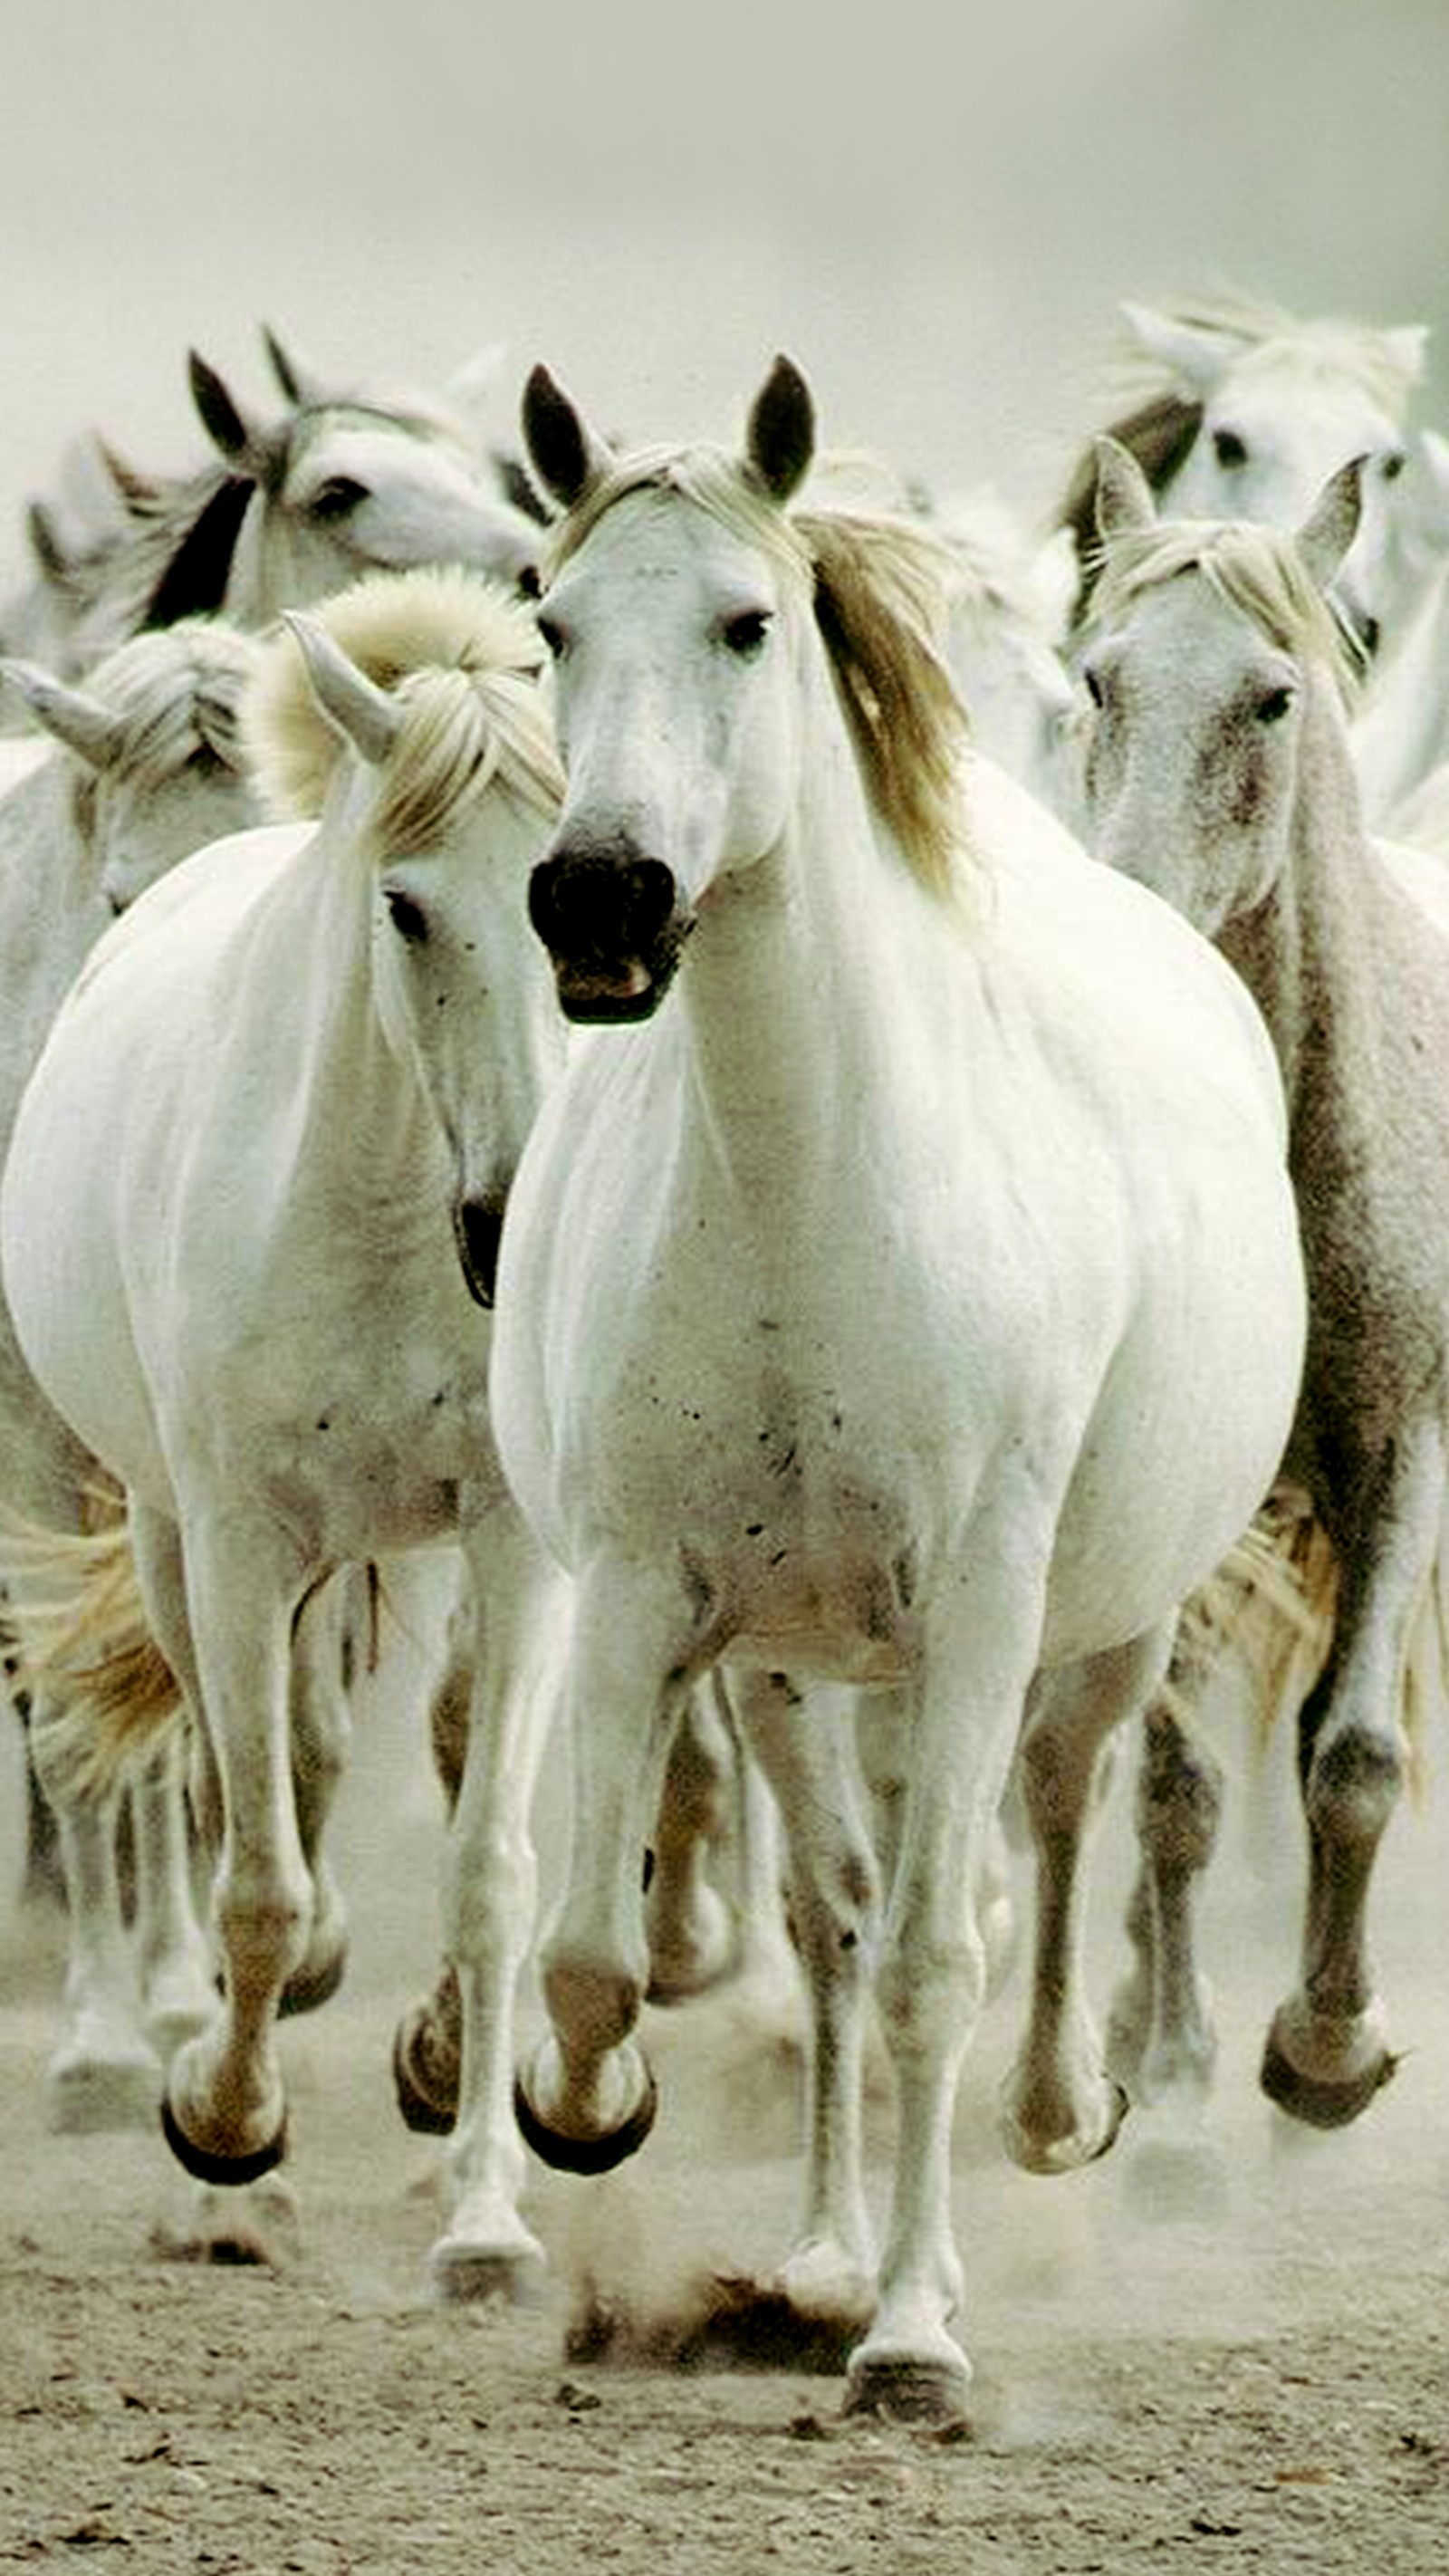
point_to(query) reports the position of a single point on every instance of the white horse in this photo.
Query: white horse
(292, 1087)
(1219, 774)
(1249, 412)
(150, 765)
(914, 1302)
(296, 508)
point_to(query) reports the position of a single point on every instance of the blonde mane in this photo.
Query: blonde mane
(175, 692)
(1257, 569)
(881, 590)
(462, 660)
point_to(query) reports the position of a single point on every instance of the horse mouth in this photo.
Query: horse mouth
(610, 992)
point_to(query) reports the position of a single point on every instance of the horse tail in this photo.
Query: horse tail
(1272, 1604)
(1269, 1606)
(84, 1651)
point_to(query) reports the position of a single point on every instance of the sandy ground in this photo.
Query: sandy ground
(1231, 2348)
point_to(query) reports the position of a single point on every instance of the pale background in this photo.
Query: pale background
(934, 208)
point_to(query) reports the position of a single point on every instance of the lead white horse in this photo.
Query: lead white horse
(133, 769)
(1219, 774)
(279, 1116)
(910, 1297)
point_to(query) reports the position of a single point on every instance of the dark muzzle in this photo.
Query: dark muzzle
(613, 925)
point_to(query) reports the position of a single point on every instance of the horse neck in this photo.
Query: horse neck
(788, 981)
(1306, 951)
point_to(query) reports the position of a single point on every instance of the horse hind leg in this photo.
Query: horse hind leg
(174, 1964)
(324, 1651)
(1060, 2106)
(1161, 2043)
(693, 1939)
(106, 2074)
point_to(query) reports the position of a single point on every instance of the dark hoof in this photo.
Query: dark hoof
(586, 2155)
(421, 2108)
(312, 1987)
(909, 2392)
(232, 2171)
(1320, 2105)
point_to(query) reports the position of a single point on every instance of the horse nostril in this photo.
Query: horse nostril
(478, 1231)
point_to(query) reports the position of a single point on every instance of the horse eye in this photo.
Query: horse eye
(1230, 450)
(1272, 708)
(408, 918)
(334, 499)
(745, 632)
(1392, 466)
(206, 761)
(528, 584)
(1092, 683)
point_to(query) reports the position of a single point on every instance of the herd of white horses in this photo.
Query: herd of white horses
(834, 1115)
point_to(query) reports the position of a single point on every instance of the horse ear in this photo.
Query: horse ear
(780, 438)
(368, 717)
(238, 440)
(76, 719)
(567, 456)
(1193, 353)
(1124, 495)
(1332, 523)
(46, 545)
(136, 492)
(297, 382)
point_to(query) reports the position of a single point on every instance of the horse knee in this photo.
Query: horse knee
(1353, 1782)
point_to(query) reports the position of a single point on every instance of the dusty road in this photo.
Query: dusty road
(1234, 2355)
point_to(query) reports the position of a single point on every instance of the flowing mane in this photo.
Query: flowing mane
(881, 589)
(175, 692)
(462, 659)
(1256, 568)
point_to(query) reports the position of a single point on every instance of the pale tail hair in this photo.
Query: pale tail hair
(79, 1639)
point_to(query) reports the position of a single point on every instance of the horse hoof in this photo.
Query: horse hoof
(87, 2096)
(233, 2171)
(596, 2155)
(308, 1988)
(909, 2392)
(469, 2276)
(1317, 2102)
(422, 2109)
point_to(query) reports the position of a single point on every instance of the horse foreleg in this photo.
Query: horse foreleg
(228, 1640)
(1059, 2106)
(490, 1904)
(1326, 2054)
(807, 1755)
(931, 1981)
(586, 2098)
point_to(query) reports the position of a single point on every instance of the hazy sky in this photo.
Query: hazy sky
(935, 209)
